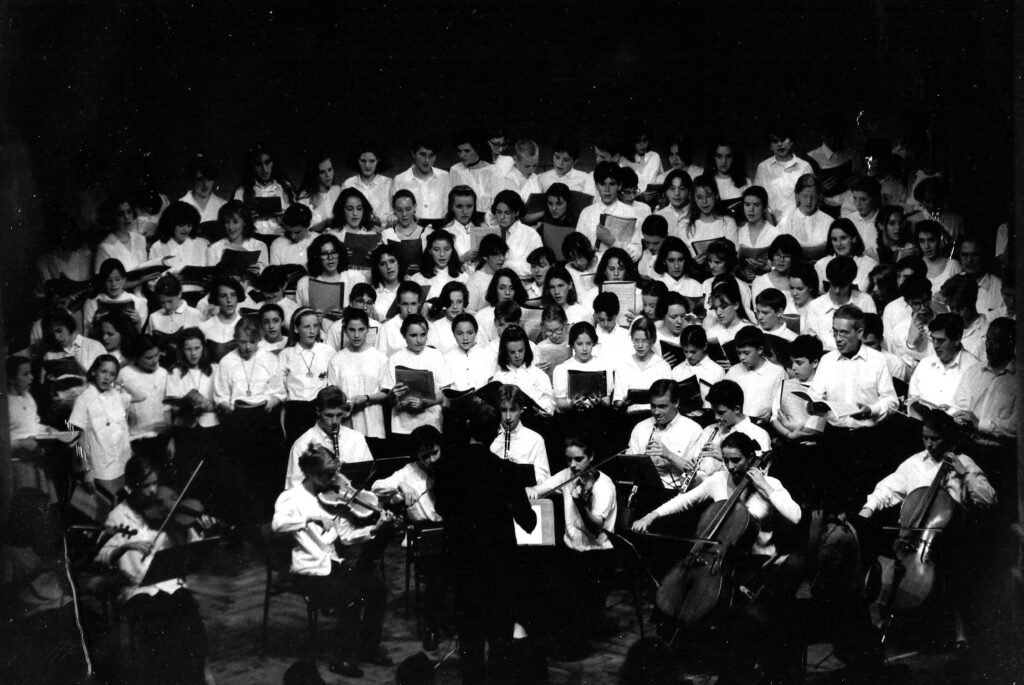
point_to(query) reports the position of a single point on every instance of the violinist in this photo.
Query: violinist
(965, 483)
(167, 629)
(347, 445)
(346, 583)
(413, 486)
(769, 503)
(588, 500)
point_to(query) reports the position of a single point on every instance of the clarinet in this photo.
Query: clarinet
(334, 441)
(508, 439)
(691, 473)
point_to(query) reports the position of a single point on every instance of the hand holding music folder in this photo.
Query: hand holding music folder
(176, 562)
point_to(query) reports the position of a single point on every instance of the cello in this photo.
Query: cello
(925, 514)
(702, 581)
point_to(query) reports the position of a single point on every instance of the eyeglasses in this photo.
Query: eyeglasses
(325, 255)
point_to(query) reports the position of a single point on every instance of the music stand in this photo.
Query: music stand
(176, 562)
(641, 471)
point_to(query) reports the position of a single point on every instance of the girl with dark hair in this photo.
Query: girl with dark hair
(894, 241)
(804, 287)
(236, 220)
(756, 232)
(461, 217)
(112, 278)
(678, 191)
(470, 364)
(558, 209)
(726, 304)
(149, 420)
(358, 369)
(327, 261)
(440, 263)
(490, 259)
(28, 460)
(705, 221)
(261, 180)
(475, 170)
(845, 241)
(516, 366)
(582, 341)
(303, 364)
(319, 192)
(783, 254)
(451, 303)
(219, 329)
(191, 384)
(559, 289)
(116, 332)
(122, 242)
(580, 261)
(504, 286)
(177, 244)
(806, 222)
(201, 175)
(369, 163)
(930, 237)
(722, 262)
(672, 265)
(386, 273)
(521, 239)
(411, 410)
(727, 167)
(403, 220)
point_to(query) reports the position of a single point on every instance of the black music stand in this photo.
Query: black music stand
(176, 562)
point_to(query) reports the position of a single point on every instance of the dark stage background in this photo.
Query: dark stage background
(88, 86)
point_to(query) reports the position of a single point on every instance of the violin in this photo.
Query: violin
(358, 506)
(924, 516)
(702, 581)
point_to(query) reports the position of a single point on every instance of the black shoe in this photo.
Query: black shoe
(430, 641)
(346, 668)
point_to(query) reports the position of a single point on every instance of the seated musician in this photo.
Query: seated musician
(167, 629)
(757, 637)
(668, 438)
(349, 583)
(965, 483)
(726, 399)
(588, 500)
(413, 486)
(347, 445)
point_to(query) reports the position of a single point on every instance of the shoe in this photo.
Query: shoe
(378, 659)
(345, 668)
(430, 641)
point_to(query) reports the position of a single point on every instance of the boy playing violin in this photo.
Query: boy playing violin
(347, 584)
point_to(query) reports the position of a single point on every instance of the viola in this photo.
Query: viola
(357, 505)
(702, 581)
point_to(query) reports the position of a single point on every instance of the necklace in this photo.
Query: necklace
(309, 366)
(248, 377)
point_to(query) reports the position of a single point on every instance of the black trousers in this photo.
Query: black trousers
(168, 638)
(253, 443)
(357, 595)
(299, 417)
(484, 605)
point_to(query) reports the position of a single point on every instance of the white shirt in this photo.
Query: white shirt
(190, 252)
(680, 437)
(103, 416)
(647, 167)
(417, 488)
(861, 379)
(727, 188)
(429, 359)
(715, 434)
(179, 385)
(864, 266)
(361, 373)
(685, 286)
(216, 251)
(253, 380)
(315, 545)
(532, 381)
(919, 471)
(765, 238)
(219, 331)
(149, 417)
(974, 337)
(484, 178)
(92, 306)
(761, 387)
(83, 350)
(284, 251)
(602, 505)
(431, 193)
(613, 346)
(990, 294)
(77, 266)
(23, 415)
(677, 220)
(629, 375)
(305, 370)
(809, 231)
(439, 280)
(575, 180)
(707, 372)
(183, 316)
(132, 255)
(935, 382)
(993, 396)
(521, 240)
(717, 487)
(524, 447)
(212, 209)
(377, 192)
(389, 336)
(590, 217)
(701, 231)
(469, 370)
(560, 377)
(779, 180)
(271, 225)
(349, 278)
(865, 226)
(514, 180)
(821, 310)
(351, 449)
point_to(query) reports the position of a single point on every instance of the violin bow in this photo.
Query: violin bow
(593, 467)
(174, 506)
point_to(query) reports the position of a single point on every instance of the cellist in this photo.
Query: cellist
(964, 481)
(755, 634)
(168, 633)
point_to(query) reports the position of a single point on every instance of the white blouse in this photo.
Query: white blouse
(361, 373)
(103, 416)
(305, 370)
(179, 385)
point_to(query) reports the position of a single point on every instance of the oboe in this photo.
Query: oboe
(508, 438)
(334, 441)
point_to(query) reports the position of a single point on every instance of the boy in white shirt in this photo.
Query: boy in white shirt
(607, 177)
(521, 176)
(760, 379)
(769, 306)
(778, 174)
(565, 152)
(292, 246)
(426, 182)
(174, 313)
